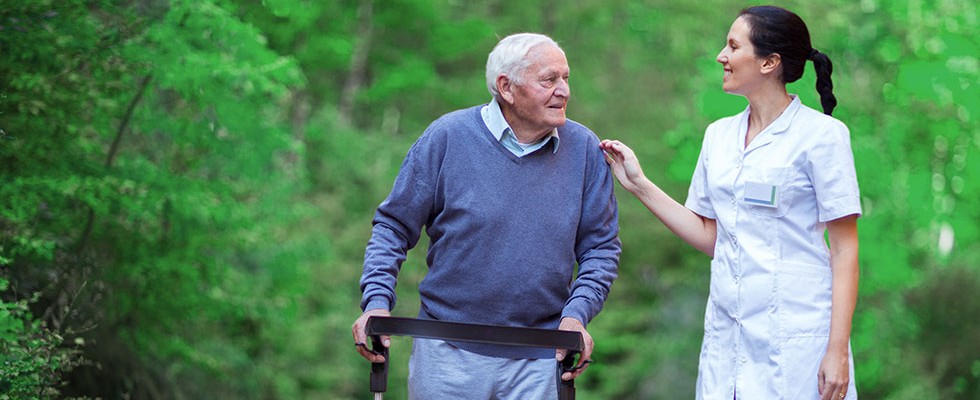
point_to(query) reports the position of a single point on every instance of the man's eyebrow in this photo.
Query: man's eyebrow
(552, 70)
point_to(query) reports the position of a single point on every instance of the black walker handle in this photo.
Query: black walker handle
(379, 371)
(566, 389)
(478, 333)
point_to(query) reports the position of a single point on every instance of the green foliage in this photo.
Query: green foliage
(32, 357)
(949, 351)
(175, 193)
(187, 186)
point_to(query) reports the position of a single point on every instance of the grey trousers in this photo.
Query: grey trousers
(438, 370)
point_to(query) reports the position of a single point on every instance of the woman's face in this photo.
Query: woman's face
(742, 67)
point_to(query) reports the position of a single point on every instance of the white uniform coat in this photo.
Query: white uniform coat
(767, 320)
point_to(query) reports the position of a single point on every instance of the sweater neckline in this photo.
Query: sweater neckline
(487, 135)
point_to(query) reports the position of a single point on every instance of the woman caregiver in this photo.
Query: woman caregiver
(768, 184)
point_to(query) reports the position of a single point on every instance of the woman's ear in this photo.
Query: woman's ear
(771, 63)
(506, 88)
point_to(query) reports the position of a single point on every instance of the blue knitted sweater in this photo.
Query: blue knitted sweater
(505, 232)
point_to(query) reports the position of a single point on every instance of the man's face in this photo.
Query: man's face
(538, 103)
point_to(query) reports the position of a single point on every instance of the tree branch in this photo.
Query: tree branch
(125, 122)
(90, 219)
(358, 62)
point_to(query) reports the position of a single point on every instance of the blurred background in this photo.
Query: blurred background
(187, 186)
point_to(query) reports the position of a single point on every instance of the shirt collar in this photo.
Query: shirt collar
(494, 119)
(781, 124)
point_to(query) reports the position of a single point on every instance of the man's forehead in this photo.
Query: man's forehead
(546, 59)
(543, 50)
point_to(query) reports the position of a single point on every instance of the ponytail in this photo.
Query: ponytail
(825, 86)
(775, 30)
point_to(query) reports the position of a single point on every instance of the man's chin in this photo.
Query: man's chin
(559, 121)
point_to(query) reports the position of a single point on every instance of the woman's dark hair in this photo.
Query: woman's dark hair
(780, 31)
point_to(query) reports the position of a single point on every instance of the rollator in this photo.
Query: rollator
(466, 332)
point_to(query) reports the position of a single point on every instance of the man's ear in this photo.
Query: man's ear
(506, 88)
(771, 63)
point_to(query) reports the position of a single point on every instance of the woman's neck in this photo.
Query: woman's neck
(765, 106)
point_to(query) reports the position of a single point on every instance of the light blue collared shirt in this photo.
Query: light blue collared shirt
(498, 126)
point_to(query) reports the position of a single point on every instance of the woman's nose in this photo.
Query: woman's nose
(722, 56)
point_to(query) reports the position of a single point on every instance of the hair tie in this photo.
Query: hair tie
(813, 53)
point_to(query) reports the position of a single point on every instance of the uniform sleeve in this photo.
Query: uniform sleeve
(697, 194)
(397, 226)
(830, 165)
(597, 246)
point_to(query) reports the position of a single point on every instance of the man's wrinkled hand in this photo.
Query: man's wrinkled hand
(574, 325)
(360, 335)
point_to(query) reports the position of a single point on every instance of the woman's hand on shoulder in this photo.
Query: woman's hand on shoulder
(624, 164)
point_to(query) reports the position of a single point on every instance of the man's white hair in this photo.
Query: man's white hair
(510, 57)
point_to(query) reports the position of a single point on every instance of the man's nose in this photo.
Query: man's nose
(562, 89)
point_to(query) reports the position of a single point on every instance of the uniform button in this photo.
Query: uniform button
(733, 200)
(745, 360)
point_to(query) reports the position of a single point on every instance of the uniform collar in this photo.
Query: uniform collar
(777, 127)
(781, 124)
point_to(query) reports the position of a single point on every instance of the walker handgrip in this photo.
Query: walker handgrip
(379, 371)
(566, 389)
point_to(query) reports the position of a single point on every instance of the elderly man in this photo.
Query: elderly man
(512, 196)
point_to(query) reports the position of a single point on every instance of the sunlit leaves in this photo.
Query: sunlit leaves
(227, 234)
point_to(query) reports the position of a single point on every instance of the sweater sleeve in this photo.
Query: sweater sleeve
(597, 246)
(397, 226)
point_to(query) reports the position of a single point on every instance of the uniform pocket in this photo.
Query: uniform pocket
(803, 296)
(721, 298)
(781, 179)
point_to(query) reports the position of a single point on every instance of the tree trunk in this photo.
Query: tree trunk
(358, 62)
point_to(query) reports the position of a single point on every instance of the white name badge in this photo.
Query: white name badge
(761, 194)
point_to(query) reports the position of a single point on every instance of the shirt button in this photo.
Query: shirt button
(736, 280)
(745, 360)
